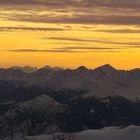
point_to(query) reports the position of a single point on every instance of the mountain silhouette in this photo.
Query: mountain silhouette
(50, 100)
(102, 81)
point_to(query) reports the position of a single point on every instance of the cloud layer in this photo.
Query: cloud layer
(118, 12)
(6, 28)
(82, 3)
(73, 49)
(70, 14)
(128, 44)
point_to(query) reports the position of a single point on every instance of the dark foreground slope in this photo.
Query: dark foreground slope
(40, 111)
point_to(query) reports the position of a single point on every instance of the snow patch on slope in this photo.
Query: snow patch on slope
(110, 133)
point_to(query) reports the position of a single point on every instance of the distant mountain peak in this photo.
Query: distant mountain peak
(47, 67)
(58, 68)
(106, 67)
(82, 68)
(27, 69)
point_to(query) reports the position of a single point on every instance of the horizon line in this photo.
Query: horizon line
(65, 67)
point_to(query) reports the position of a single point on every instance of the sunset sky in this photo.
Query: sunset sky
(69, 33)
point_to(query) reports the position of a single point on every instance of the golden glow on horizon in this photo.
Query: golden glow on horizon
(118, 49)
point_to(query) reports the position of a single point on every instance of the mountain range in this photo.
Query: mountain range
(101, 82)
(50, 100)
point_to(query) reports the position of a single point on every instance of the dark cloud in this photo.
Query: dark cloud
(69, 39)
(90, 48)
(74, 3)
(80, 19)
(29, 29)
(120, 31)
(75, 49)
(118, 12)
(115, 3)
(36, 50)
(68, 43)
(131, 44)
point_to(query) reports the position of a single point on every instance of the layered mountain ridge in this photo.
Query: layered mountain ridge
(52, 100)
(102, 81)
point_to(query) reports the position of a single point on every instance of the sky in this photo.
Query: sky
(70, 33)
